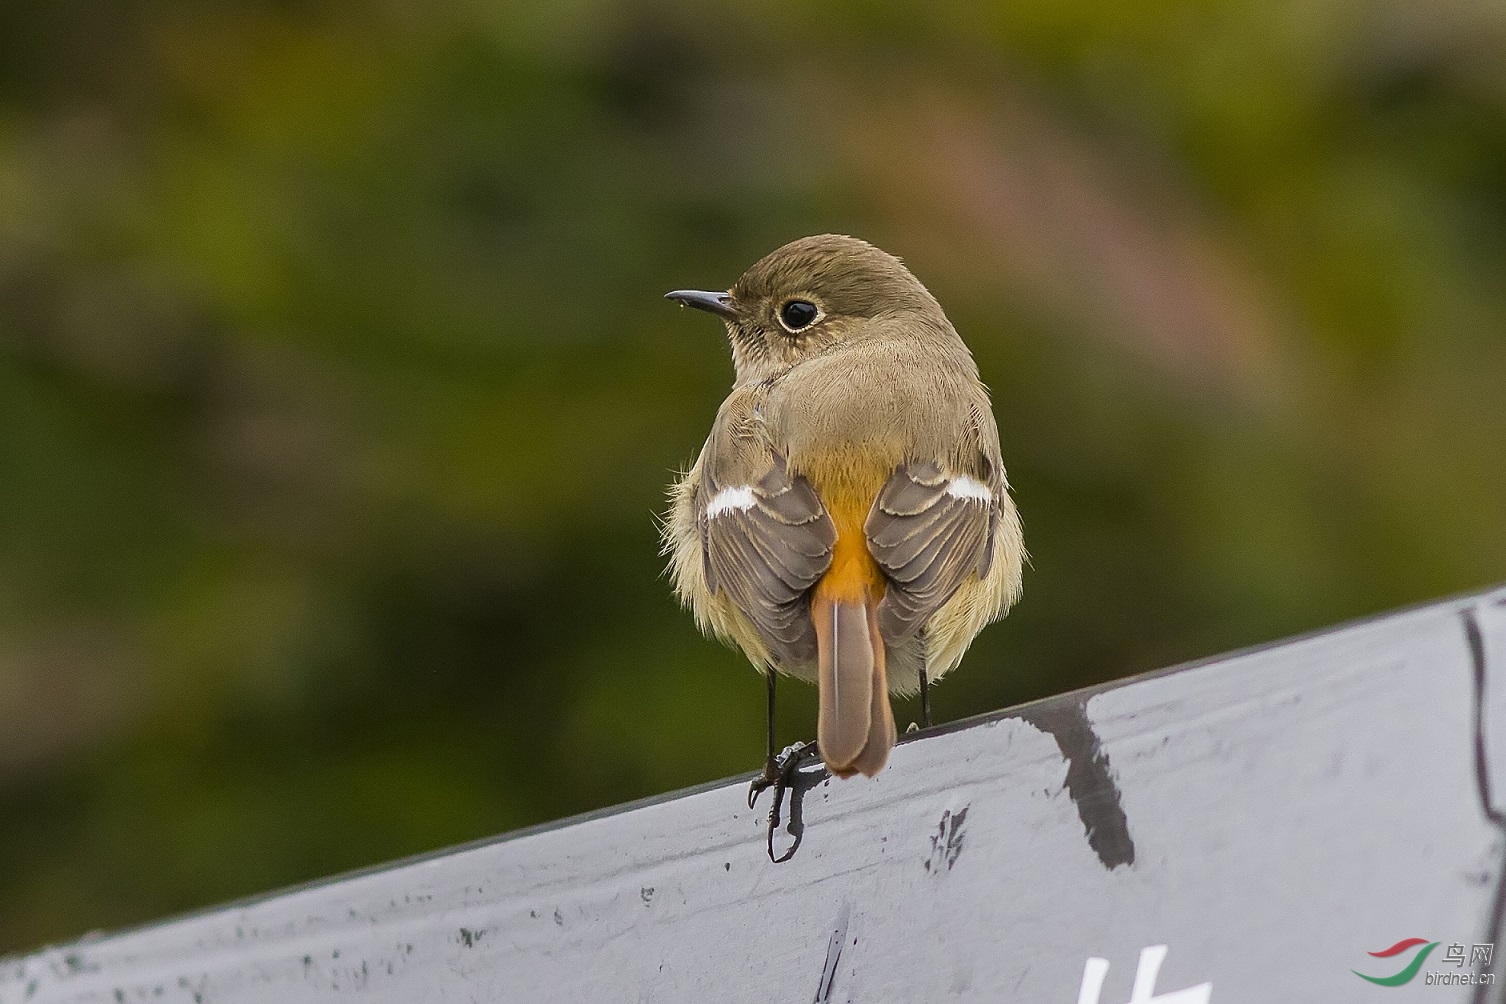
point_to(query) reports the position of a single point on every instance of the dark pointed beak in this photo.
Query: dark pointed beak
(719, 304)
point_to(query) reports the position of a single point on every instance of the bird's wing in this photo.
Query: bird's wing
(928, 531)
(766, 542)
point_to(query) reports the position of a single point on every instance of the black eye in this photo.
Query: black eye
(798, 314)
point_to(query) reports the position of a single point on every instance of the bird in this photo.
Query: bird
(848, 520)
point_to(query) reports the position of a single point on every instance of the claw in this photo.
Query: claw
(778, 771)
(782, 775)
(760, 784)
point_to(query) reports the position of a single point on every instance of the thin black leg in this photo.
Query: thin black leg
(768, 764)
(925, 698)
(781, 771)
(771, 770)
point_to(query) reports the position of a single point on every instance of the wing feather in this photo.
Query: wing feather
(768, 554)
(928, 538)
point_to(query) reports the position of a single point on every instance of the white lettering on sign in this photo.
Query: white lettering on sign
(1145, 982)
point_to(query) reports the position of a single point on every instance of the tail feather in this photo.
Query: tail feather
(855, 729)
(881, 717)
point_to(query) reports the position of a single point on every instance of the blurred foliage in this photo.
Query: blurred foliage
(337, 395)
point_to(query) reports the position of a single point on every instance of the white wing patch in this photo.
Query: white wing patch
(966, 488)
(727, 500)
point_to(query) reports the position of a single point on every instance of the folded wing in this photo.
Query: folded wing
(928, 531)
(766, 543)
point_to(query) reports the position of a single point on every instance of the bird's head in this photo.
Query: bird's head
(810, 296)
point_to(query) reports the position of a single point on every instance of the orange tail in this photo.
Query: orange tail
(855, 730)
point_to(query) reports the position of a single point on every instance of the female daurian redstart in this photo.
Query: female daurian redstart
(848, 519)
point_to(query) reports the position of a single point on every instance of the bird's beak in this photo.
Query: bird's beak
(715, 303)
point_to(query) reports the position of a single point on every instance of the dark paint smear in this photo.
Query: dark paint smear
(1475, 641)
(1089, 780)
(946, 845)
(833, 955)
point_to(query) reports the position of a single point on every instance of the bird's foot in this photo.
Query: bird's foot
(778, 772)
(783, 774)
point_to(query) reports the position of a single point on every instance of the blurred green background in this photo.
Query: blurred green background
(337, 395)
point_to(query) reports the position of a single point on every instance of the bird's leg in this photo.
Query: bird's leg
(778, 774)
(790, 760)
(770, 773)
(925, 698)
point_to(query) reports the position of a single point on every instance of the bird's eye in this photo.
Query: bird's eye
(798, 314)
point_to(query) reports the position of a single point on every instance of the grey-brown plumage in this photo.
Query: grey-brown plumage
(848, 519)
(767, 557)
(927, 541)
